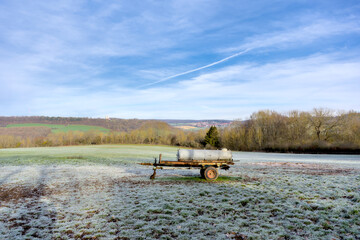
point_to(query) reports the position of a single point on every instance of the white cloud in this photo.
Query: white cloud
(304, 83)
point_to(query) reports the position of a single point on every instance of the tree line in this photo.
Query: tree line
(318, 131)
(321, 130)
(150, 132)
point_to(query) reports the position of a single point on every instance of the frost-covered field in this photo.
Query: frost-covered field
(98, 192)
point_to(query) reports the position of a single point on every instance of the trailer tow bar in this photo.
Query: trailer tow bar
(152, 177)
(154, 174)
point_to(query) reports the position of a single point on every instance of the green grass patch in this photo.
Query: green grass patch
(85, 155)
(55, 128)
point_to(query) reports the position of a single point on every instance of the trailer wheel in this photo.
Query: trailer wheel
(211, 173)
(202, 173)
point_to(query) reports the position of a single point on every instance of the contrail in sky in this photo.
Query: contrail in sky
(197, 69)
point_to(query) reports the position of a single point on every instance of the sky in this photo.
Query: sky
(185, 59)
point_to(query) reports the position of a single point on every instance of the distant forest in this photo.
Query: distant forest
(115, 124)
(319, 131)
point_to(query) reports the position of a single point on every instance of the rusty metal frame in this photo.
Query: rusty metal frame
(186, 164)
(199, 164)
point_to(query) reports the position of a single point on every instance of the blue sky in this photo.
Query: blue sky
(177, 59)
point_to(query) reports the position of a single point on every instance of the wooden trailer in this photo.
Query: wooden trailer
(209, 168)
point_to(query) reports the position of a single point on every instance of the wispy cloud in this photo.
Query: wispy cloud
(197, 69)
(300, 36)
(317, 29)
(299, 83)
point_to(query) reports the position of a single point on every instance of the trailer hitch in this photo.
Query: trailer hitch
(154, 174)
(156, 167)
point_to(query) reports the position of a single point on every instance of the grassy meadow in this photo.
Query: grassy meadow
(99, 192)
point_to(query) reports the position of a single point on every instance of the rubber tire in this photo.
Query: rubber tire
(211, 173)
(202, 173)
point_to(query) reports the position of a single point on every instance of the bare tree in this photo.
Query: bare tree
(326, 123)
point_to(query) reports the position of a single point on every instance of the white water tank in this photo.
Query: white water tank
(189, 155)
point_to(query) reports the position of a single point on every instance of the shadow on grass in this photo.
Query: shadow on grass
(35, 219)
(20, 160)
(199, 179)
(4, 179)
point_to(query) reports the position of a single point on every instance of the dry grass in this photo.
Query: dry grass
(185, 127)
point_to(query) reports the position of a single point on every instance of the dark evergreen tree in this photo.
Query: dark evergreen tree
(212, 137)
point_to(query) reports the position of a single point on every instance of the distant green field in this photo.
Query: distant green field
(55, 128)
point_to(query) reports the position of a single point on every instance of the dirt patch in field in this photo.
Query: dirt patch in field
(16, 193)
(19, 193)
(308, 168)
(181, 180)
